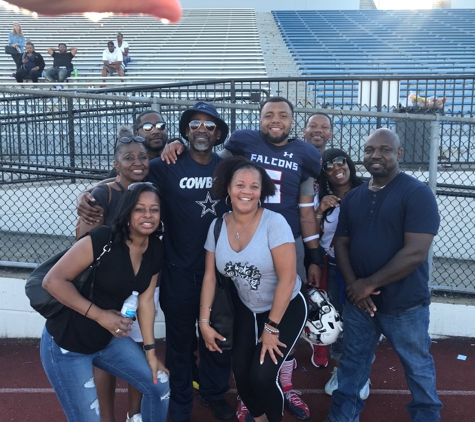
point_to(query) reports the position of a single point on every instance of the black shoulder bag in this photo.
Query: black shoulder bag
(222, 313)
(41, 300)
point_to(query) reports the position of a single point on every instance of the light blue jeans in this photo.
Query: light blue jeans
(55, 75)
(71, 375)
(408, 334)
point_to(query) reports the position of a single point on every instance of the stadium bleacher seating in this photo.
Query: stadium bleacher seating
(362, 42)
(206, 44)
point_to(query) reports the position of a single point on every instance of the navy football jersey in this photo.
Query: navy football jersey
(287, 165)
(187, 208)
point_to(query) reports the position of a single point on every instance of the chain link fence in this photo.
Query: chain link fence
(53, 145)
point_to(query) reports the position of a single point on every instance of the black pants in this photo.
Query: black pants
(258, 384)
(17, 59)
(180, 292)
(23, 74)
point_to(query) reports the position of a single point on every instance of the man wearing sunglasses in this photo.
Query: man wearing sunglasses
(293, 165)
(188, 210)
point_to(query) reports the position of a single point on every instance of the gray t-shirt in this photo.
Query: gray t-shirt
(252, 270)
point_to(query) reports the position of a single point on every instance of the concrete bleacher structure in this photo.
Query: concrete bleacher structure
(206, 44)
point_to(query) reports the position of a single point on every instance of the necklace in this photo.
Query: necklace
(249, 222)
(376, 187)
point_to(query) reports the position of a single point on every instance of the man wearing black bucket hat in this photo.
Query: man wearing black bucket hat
(189, 209)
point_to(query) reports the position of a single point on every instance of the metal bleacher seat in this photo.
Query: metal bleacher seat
(206, 44)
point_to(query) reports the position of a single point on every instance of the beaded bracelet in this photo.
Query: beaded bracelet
(203, 321)
(271, 331)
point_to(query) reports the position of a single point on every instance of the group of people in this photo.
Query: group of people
(31, 65)
(270, 199)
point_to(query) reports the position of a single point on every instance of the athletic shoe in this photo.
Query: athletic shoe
(332, 385)
(296, 405)
(136, 418)
(221, 408)
(12, 75)
(242, 412)
(319, 357)
(364, 392)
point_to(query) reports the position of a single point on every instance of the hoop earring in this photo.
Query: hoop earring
(161, 227)
(226, 201)
(259, 204)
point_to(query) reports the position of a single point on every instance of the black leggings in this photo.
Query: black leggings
(258, 384)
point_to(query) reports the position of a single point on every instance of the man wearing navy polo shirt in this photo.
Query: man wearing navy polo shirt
(384, 233)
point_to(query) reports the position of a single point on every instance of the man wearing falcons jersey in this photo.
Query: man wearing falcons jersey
(293, 165)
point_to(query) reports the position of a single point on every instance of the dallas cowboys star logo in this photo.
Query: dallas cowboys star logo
(208, 205)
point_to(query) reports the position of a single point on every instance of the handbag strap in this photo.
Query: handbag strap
(95, 264)
(217, 231)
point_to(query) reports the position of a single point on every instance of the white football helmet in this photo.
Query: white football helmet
(324, 324)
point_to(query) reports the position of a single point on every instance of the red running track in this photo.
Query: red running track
(25, 393)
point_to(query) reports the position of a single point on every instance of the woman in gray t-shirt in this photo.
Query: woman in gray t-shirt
(256, 250)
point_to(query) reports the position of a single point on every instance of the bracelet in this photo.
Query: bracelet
(203, 321)
(271, 331)
(207, 307)
(271, 323)
(88, 309)
(148, 347)
(318, 216)
(309, 238)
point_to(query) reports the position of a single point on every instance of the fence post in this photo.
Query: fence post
(155, 105)
(233, 110)
(72, 144)
(433, 161)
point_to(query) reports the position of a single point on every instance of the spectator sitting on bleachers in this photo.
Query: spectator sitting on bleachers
(32, 64)
(112, 58)
(123, 46)
(62, 63)
(16, 40)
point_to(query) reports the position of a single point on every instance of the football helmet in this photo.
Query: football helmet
(324, 324)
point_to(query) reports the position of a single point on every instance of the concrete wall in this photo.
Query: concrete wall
(267, 6)
(18, 320)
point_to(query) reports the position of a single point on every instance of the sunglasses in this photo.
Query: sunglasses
(196, 124)
(148, 127)
(330, 165)
(128, 139)
(149, 184)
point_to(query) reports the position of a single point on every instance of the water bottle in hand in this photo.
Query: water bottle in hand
(129, 308)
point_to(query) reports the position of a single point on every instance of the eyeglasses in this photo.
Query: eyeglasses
(149, 184)
(148, 127)
(196, 124)
(330, 165)
(128, 139)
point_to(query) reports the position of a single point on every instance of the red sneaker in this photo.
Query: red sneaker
(296, 405)
(242, 413)
(319, 357)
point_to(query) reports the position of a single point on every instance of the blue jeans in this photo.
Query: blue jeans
(407, 333)
(71, 376)
(55, 75)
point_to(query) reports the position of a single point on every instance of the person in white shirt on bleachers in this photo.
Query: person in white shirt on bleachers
(112, 58)
(124, 48)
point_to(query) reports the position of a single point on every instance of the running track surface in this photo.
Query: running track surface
(26, 395)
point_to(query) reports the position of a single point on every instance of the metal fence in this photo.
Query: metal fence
(55, 144)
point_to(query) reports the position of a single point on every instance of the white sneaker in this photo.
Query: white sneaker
(364, 393)
(332, 385)
(136, 418)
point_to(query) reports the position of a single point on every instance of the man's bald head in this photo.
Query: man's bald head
(388, 135)
(382, 152)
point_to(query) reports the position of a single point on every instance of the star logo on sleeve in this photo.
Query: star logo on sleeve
(208, 205)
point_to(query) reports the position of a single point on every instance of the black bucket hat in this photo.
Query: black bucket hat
(208, 109)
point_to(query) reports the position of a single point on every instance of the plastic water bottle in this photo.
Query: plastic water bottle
(75, 72)
(129, 308)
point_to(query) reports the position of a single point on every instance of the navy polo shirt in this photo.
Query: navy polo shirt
(376, 223)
